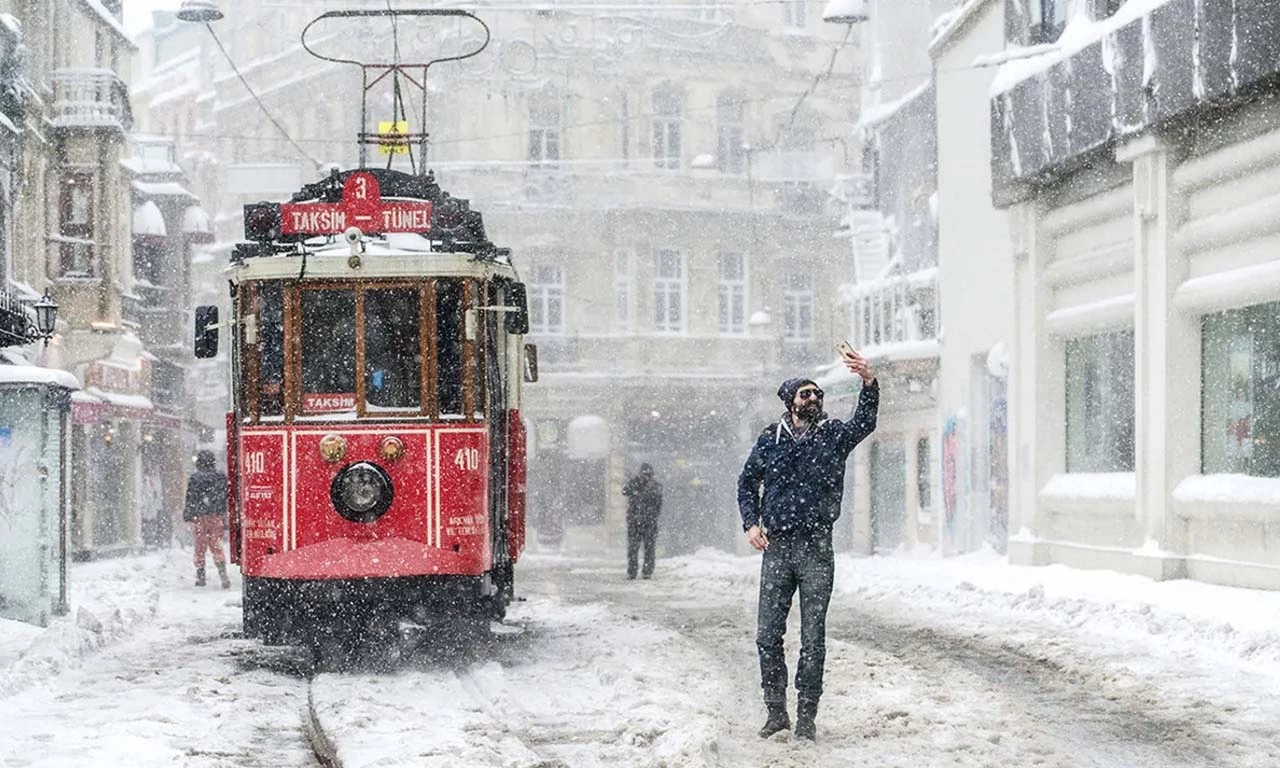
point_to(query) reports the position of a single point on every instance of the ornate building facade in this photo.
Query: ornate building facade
(662, 180)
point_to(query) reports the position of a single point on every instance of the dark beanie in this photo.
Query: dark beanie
(787, 392)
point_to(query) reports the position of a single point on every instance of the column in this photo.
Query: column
(1166, 359)
(1031, 436)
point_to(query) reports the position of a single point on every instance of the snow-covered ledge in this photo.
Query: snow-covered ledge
(1090, 493)
(1228, 497)
(1093, 317)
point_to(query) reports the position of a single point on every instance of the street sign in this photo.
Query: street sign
(393, 137)
(362, 206)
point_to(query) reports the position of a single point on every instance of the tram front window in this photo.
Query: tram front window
(392, 349)
(269, 303)
(328, 351)
(449, 361)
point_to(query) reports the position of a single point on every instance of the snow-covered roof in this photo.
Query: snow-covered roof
(35, 374)
(881, 112)
(148, 221)
(110, 20)
(1080, 32)
(949, 24)
(140, 402)
(163, 189)
(196, 221)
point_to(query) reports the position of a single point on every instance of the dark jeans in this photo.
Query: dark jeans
(641, 531)
(803, 562)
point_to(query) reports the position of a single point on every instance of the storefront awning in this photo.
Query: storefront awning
(148, 221)
(196, 224)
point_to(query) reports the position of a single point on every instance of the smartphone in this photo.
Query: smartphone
(844, 349)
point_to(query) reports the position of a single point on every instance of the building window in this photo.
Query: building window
(544, 129)
(1100, 403)
(1240, 400)
(668, 292)
(75, 208)
(730, 148)
(710, 10)
(733, 294)
(798, 301)
(622, 292)
(1105, 9)
(1048, 18)
(668, 114)
(794, 14)
(546, 300)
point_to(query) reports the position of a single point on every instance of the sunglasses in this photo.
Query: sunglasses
(806, 394)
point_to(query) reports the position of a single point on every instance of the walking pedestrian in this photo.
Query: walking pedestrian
(789, 497)
(644, 505)
(206, 510)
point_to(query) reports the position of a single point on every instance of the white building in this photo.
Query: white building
(1139, 163)
(976, 274)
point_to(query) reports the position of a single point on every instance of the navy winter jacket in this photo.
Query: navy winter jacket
(802, 481)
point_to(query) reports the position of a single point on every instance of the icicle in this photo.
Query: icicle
(1197, 82)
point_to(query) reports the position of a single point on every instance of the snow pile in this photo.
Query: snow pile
(109, 599)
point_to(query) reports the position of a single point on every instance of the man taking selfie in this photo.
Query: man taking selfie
(789, 498)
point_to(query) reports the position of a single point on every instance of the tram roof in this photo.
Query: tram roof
(391, 256)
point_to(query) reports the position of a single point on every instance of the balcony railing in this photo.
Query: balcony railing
(90, 99)
(896, 315)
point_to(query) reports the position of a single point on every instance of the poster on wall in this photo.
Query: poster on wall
(950, 477)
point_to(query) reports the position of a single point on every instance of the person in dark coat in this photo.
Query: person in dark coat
(789, 497)
(206, 510)
(644, 505)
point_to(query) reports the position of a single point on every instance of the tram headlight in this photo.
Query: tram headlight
(333, 448)
(362, 492)
(392, 448)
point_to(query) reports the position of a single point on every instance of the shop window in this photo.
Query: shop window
(1100, 403)
(392, 349)
(1240, 398)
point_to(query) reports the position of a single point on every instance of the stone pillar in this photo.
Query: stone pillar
(1031, 436)
(1166, 359)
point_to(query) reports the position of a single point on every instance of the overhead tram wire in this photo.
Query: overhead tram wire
(254, 94)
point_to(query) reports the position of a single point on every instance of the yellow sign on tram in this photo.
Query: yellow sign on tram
(393, 136)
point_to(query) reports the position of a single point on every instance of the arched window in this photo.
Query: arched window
(668, 118)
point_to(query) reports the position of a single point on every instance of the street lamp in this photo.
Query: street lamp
(46, 317)
(203, 11)
(845, 12)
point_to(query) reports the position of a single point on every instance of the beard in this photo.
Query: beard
(808, 411)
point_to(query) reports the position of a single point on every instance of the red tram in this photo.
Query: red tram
(375, 446)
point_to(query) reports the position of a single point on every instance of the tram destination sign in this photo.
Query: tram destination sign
(362, 206)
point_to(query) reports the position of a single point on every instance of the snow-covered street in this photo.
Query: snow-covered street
(937, 662)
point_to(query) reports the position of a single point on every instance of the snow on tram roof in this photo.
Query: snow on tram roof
(392, 255)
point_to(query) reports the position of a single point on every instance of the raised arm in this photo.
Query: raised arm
(863, 422)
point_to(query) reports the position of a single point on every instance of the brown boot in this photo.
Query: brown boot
(199, 577)
(222, 573)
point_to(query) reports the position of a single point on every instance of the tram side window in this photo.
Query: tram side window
(270, 311)
(449, 361)
(328, 350)
(392, 352)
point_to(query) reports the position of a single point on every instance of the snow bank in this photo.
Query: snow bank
(1092, 485)
(109, 599)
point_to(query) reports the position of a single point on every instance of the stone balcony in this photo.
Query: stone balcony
(90, 99)
(895, 317)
